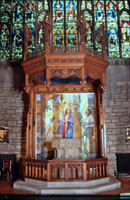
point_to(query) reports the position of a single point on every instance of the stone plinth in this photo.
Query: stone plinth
(67, 148)
(68, 188)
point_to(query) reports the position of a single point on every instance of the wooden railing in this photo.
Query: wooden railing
(66, 170)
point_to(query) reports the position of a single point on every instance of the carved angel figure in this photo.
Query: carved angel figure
(27, 40)
(81, 26)
(101, 37)
(46, 26)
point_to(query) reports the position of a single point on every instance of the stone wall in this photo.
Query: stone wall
(13, 107)
(117, 109)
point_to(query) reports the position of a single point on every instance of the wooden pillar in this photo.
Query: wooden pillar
(30, 133)
(66, 172)
(84, 172)
(99, 110)
(48, 171)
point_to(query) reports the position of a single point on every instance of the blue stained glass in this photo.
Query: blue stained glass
(99, 16)
(17, 42)
(71, 23)
(4, 41)
(125, 33)
(5, 29)
(112, 27)
(83, 5)
(5, 18)
(14, 14)
(58, 23)
(46, 4)
(126, 4)
(89, 26)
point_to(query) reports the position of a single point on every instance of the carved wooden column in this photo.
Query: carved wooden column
(30, 143)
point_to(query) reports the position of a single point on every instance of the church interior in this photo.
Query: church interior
(65, 97)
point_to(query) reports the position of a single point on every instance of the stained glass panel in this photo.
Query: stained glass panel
(120, 5)
(4, 41)
(83, 5)
(17, 42)
(5, 29)
(71, 23)
(14, 14)
(99, 16)
(89, 4)
(30, 20)
(112, 27)
(125, 34)
(46, 5)
(2, 5)
(5, 5)
(58, 23)
(88, 37)
(126, 5)
(40, 5)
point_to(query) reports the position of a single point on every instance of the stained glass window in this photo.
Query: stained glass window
(99, 18)
(15, 14)
(71, 23)
(58, 23)
(5, 29)
(112, 29)
(125, 34)
(89, 27)
(30, 20)
(65, 24)
(18, 20)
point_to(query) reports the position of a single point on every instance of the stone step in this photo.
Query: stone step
(66, 184)
(70, 189)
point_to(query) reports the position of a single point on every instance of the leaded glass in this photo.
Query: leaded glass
(112, 27)
(4, 41)
(89, 4)
(58, 23)
(71, 23)
(17, 42)
(121, 5)
(83, 5)
(2, 5)
(40, 42)
(89, 26)
(40, 5)
(5, 5)
(30, 20)
(126, 4)
(5, 29)
(86, 4)
(5, 17)
(125, 33)
(99, 16)
(46, 5)
(15, 14)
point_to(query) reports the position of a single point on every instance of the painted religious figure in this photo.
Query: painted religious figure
(66, 124)
(65, 115)
(88, 125)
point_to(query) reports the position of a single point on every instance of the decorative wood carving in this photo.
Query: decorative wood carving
(65, 73)
(101, 37)
(27, 40)
(77, 63)
(66, 170)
